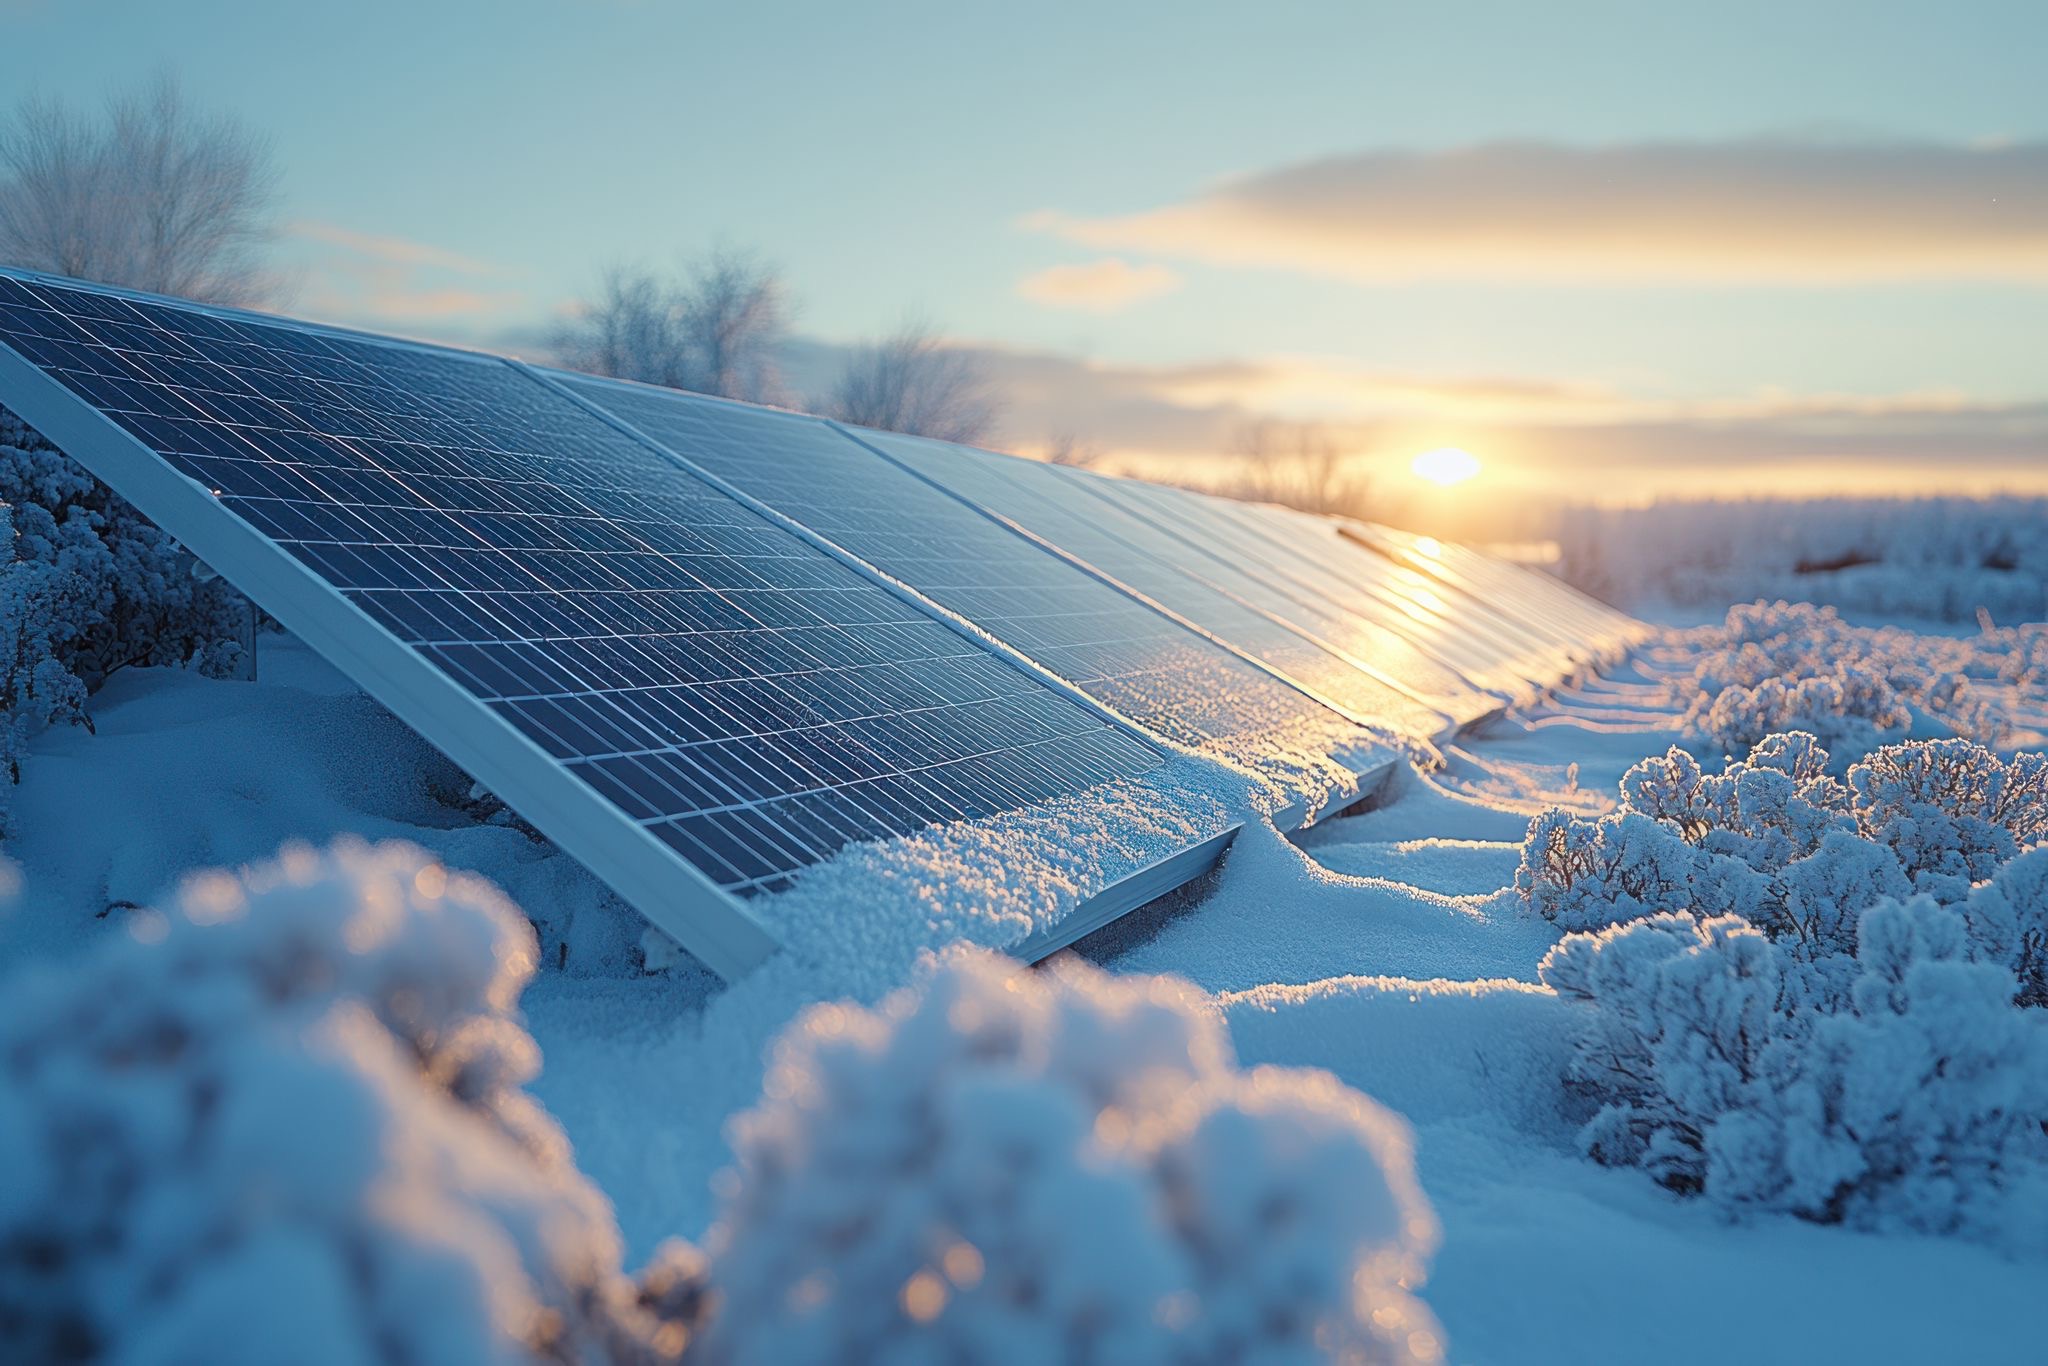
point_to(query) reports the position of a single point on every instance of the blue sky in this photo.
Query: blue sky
(1165, 220)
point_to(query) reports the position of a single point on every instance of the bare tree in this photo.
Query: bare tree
(151, 194)
(914, 382)
(1297, 463)
(714, 330)
(1066, 448)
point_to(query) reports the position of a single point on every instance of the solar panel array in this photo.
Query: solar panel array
(1435, 652)
(1150, 564)
(1128, 656)
(707, 645)
(752, 702)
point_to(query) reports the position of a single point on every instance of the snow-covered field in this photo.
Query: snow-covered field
(1388, 947)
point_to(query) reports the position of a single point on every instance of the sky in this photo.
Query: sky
(1616, 251)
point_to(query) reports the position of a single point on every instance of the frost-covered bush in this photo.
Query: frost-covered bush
(87, 587)
(1776, 840)
(1915, 1100)
(128, 595)
(284, 1120)
(36, 690)
(997, 1165)
(1778, 666)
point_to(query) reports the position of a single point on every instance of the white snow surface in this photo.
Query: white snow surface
(1386, 947)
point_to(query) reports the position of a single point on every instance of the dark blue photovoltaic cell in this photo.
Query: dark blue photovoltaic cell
(750, 700)
(1137, 554)
(1124, 654)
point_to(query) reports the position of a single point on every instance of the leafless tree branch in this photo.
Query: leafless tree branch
(715, 330)
(914, 382)
(152, 195)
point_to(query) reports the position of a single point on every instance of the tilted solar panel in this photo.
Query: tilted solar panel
(1127, 655)
(1538, 651)
(1594, 627)
(1220, 529)
(1137, 555)
(1462, 630)
(655, 675)
(1193, 550)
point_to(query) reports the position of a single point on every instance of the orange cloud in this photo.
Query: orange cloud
(1104, 286)
(397, 251)
(1760, 210)
(374, 280)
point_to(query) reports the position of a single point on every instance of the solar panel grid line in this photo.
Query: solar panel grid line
(818, 614)
(896, 587)
(1551, 602)
(1174, 513)
(1297, 579)
(1134, 659)
(1594, 632)
(1509, 662)
(1232, 583)
(642, 870)
(1545, 656)
(1377, 724)
(1144, 571)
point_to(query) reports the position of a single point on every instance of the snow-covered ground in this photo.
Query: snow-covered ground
(1387, 947)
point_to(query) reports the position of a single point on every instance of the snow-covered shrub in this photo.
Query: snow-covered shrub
(1950, 810)
(129, 596)
(2008, 923)
(283, 1119)
(1773, 838)
(36, 690)
(1000, 1165)
(87, 586)
(1916, 1100)
(1778, 666)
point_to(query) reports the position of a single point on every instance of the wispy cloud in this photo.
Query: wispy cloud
(397, 251)
(379, 280)
(1547, 439)
(1106, 286)
(1780, 209)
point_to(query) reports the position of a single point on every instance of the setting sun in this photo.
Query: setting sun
(1445, 466)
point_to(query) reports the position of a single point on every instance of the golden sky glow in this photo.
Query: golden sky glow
(1444, 466)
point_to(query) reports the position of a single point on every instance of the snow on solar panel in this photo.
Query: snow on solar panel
(1219, 529)
(1136, 554)
(691, 699)
(1125, 654)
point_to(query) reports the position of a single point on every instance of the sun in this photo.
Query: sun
(1445, 466)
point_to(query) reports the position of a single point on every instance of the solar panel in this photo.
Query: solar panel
(1136, 554)
(1537, 651)
(1488, 648)
(655, 675)
(1176, 515)
(1223, 530)
(1588, 626)
(1127, 655)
